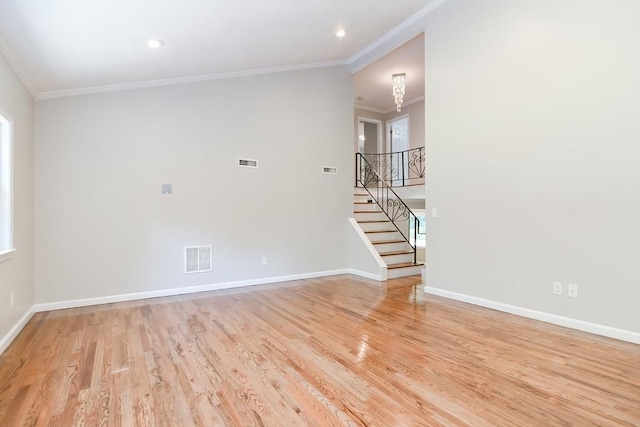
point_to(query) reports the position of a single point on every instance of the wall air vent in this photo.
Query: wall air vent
(247, 163)
(197, 259)
(331, 170)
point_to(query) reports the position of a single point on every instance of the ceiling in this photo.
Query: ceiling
(59, 46)
(373, 83)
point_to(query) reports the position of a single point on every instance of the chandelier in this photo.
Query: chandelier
(398, 90)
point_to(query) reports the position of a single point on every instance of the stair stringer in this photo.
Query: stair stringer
(364, 259)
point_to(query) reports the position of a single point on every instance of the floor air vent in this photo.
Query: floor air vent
(197, 259)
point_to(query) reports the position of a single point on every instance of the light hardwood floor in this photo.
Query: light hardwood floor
(319, 352)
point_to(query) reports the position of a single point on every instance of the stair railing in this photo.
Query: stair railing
(399, 168)
(392, 205)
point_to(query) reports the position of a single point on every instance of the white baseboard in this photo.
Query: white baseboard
(366, 275)
(13, 333)
(581, 325)
(59, 305)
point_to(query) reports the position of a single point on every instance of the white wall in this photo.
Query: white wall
(363, 257)
(532, 119)
(16, 273)
(104, 228)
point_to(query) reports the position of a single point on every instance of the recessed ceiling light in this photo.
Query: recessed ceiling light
(154, 44)
(341, 33)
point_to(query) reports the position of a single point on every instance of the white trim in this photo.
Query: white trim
(7, 255)
(17, 328)
(378, 123)
(6, 146)
(406, 104)
(567, 322)
(59, 305)
(385, 112)
(180, 80)
(372, 250)
(376, 45)
(390, 35)
(8, 55)
(365, 274)
(367, 108)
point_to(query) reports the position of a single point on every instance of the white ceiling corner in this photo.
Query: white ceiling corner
(64, 47)
(6, 52)
(377, 46)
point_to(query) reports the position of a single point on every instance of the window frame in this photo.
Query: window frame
(7, 244)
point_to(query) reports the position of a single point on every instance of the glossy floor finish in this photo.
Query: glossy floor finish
(333, 351)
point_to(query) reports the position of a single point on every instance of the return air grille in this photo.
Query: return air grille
(247, 163)
(331, 170)
(197, 259)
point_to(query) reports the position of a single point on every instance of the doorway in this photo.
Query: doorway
(370, 139)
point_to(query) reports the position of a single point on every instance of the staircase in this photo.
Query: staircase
(394, 249)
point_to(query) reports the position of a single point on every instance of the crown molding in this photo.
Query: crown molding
(385, 112)
(190, 79)
(8, 55)
(406, 104)
(367, 108)
(376, 49)
(376, 46)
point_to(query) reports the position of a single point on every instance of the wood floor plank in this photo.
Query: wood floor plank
(335, 351)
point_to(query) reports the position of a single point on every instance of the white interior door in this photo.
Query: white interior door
(398, 131)
(398, 144)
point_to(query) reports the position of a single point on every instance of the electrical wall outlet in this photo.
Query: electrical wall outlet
(557, 288)
(264, 260)
(12, 299)
(572, 290)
